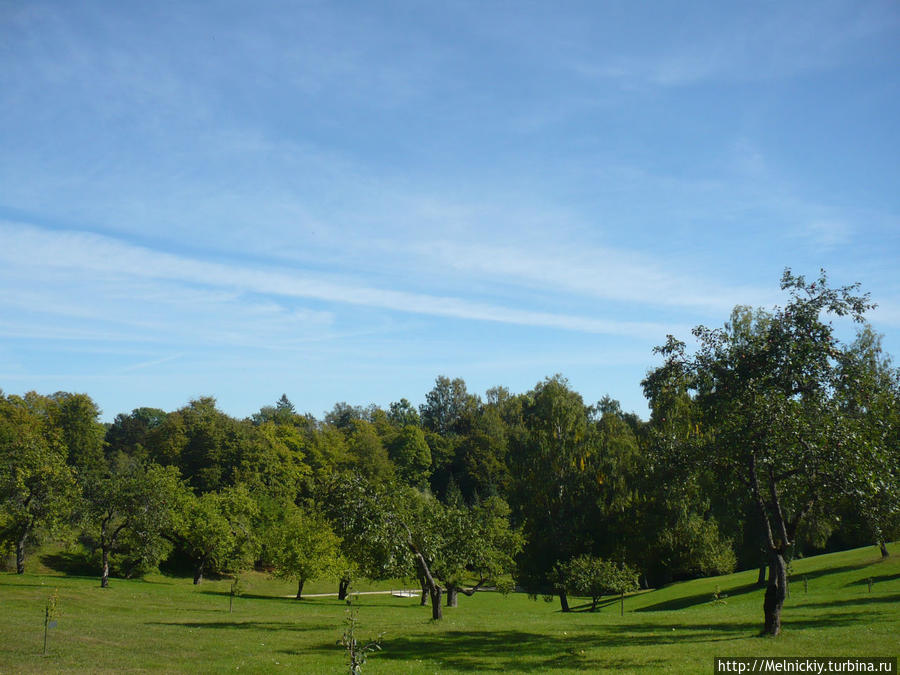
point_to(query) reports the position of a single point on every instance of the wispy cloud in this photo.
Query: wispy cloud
(594, 272)
(751, 43)
(151, 364)
(110, 261)
(825, 235)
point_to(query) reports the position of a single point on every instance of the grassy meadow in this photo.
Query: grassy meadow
(164, 623)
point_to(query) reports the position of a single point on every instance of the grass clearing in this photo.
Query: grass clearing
(166, 624)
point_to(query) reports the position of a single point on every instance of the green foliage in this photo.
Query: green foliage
(273, 459)
(130, 508)
(594, 577)
(343, 415)
(368, 454)
(718, 598)
(555, 479)
(282, 413)
(483, 452)
(445, 406)
(402, 413)
(235, 591)
(410, 453)
(692, 547)
(771, 429)
(216, 529)
(76, 417)
(166, 626)
(51, 613)
(574, 480)
(365, 517)
(770, 400)
(129, 434)
(202, 441)
(869, 391)
(357, 651)
(462, 542)
(303, 546)
(37, 487)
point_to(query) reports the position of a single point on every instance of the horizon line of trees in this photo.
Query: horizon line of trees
(770, 440)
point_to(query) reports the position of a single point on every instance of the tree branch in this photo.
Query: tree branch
(776, 507)
(470, 592)
(760, 504)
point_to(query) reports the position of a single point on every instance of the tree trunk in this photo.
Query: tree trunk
(198, 573)
(424, 583)
(300, 589)
(761, 579)
(422, 566)
(884, 551)
(437, 611)
(594, 604)
(775, 594)
(20, 553)
(104, 576)
(452, 596)
(563, 601)
(343, 585)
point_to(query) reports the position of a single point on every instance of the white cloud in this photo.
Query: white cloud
(111, 262)
(594, 272)
(825, 234)
(753, 43)
(152, 363)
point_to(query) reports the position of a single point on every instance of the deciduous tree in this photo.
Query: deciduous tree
(37, 487)
(766, 385)
(130, 503)
(304, 547)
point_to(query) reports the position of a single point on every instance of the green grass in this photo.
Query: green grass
(167, 624)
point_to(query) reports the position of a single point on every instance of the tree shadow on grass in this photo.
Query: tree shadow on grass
(248, 625)
(875, 579)
(859, 600)
(828, 571)
(696, 599)
(71, 564)
(586, 607)
(522, 651)
(253, 596)
(500, 651)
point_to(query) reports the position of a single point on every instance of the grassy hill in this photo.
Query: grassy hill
(166, 624)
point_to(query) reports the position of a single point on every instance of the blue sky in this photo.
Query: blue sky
(342, 201)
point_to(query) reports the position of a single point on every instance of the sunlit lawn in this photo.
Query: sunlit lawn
(166, 623)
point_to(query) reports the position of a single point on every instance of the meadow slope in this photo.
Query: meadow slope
(166, 624)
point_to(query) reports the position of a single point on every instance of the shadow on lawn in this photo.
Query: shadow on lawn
(698, 599)
(858, 600)
(502, 651)
(251, 596)
(71, 564)
(704, 598)
(248, 625)
(586, 607)
(522, 651)
(328, 601)
(828, 571)
(875, 579)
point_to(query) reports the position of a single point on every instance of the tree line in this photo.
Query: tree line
(770, 439)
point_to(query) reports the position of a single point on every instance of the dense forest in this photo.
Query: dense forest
(769, 439)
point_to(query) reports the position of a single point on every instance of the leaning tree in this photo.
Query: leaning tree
(771, 397)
